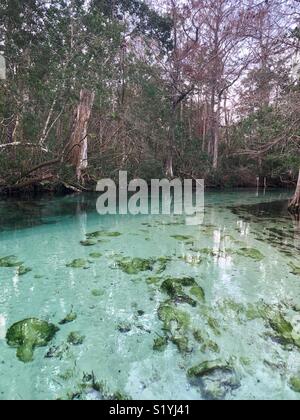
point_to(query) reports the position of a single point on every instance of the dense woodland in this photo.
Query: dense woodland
(193, 88)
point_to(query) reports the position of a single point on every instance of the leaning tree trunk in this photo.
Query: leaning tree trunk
(78, 145)
(294, 206)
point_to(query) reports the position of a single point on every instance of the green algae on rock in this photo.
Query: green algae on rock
(160, 343)
(28, 334)
(207, 368)
(135, 265)
(168, 314)
(89, 242)
(198, 293)
(173, 287)
(182, 238)
(252, 253)
(102, 233)
(75, 338)
(294, 383)
(97, 292)
(72, 316)
(95, 255)
(10, 262)
(22, 270)
(295, 269)
(78, 263)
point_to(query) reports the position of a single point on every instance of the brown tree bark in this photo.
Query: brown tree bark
(294, 206)
(78, 145)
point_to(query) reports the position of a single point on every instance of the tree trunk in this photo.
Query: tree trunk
(78, 146)
(294, 206)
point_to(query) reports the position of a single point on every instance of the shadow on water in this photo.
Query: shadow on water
(272, 224)
(21, 214)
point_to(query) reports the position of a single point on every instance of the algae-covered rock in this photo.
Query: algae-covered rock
(10, 262)
(103, 233)
(214, 325)
(95, 255)
(75, 338)
(182, 238)
(27, 335)
(135, 265)
(162, 264)
(97, 292)
(295, 269)
(215, 379)
(169, 314)
(198, 293)
(72, 316)
(175, 291)
(153, 280)
(206, 368)
(22, 270)
(295, 383)
(78, 263)
(89, 242)
(207, 344)
(182, 343)
(160, 343)
(252, 253)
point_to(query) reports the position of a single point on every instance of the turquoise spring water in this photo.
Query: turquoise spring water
(244, 257)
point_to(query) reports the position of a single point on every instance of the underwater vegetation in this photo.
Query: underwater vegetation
(78, 263)
(27, 335)
(71, 317)
(75, 338)
(215, 378)
(12, 262)
(135, 266)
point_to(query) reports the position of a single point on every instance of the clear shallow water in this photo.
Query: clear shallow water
(118, 312)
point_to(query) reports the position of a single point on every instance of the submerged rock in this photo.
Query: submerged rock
(252, 253)
(182, 238)
(79, 263)
(207, 368)
(173, 287)
(10, 262)
(95, 255)
(22, 270)
(97, 292)
(89, 242)
(295, 269)
(102, 233)
(75, 338)
(72, 316)
(160, 343)
(27, 335)
(295, 383)
(135, 265)
(198, 293)
(214, 378)
(176, 325)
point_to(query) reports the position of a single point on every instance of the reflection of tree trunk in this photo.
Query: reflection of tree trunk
(78, 141)
(216, 135)
(294, 206)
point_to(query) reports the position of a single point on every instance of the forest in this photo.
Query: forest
(194, 88)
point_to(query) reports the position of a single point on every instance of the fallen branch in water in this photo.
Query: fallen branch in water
(16, 144)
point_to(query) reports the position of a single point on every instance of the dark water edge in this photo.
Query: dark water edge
(27, 211)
